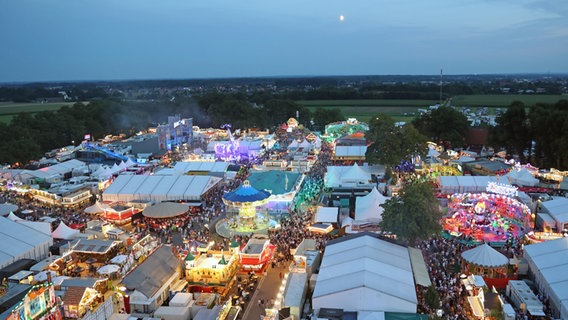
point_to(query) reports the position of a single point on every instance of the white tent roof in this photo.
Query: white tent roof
(158, 188)
(368, 207)
(521, 177)
(64, 232)
(355, 174)
(484, 255)
(305, 144)
(364, 267)
(19, 241)
(558, 209)
(96, 208)
(550, 258)
(14, 217)
(6, 208)
(293, 145)
(327, 214)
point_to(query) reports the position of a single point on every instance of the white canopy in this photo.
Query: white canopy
(326, 214)
(484, 255)
(97, 208)
(64, 232)
(521, 177)
(368, 208)
(14, 217)
(355, 174)
(119, 259)
(108, 269)
(6, 208)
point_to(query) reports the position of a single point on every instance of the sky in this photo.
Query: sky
(58, 40)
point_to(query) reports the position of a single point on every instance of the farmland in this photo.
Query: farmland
(9, 110)
(405, 110)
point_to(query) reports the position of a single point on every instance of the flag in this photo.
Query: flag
(87, 137)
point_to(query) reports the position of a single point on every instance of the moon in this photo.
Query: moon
(341, 18)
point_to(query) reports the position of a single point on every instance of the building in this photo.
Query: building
(363, 272)
(216, 269)
(149, 284)
(175, 133)
(554, 214)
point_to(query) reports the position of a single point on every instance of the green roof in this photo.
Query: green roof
(234, 243)
(275, 181)
(222, 261)
(189, 257)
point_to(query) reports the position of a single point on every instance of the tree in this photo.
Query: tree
(322, 117)
(392, 143)
(512, 131)
(444, 124)
(413, 214)
(431, 297)
(549, 128)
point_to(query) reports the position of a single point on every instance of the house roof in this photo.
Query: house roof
(149, 276)
(73, 295)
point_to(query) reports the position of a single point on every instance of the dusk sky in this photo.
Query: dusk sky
(44, 40)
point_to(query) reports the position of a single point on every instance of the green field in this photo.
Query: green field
(405, 110)
(8, 109)
(504, 100)
(363, 110)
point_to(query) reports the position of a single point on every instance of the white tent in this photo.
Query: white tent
(326, 214)
(294, 145)
(97, 208)
(305, 144)
(368, 208)
(363, 272)
(355, 174)
(64, 232)
(485, 256)
(6, 208)
(108, 269)
(18, 241)
(14, 217)
(548, 261)
(521, 177)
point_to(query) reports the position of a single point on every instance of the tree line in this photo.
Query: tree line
(29, 135)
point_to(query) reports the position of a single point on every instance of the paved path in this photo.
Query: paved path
(267, 290)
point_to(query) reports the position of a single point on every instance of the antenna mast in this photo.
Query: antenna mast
(441, 83)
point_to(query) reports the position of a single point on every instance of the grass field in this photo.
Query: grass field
(405, 110)
(363, 110)
(503, 100)
(8, 109)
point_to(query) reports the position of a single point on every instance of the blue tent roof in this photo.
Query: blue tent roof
(246, 193)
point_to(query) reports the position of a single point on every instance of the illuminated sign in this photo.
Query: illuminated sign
(503, 189)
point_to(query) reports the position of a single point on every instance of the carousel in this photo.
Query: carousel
(245, 200)
(487, 217)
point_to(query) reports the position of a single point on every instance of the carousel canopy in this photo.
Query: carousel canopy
(485, 256)
(246, 193)
(165, 210)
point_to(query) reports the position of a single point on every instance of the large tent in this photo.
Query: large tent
(485, 256)
(64, 232)
(521, 177)
(368, 208)
(18, 241)
(557, 208)
(462, 184)
(548, 261)
(364, 272)
(345, 176)
(165, 210)
(157, 188)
